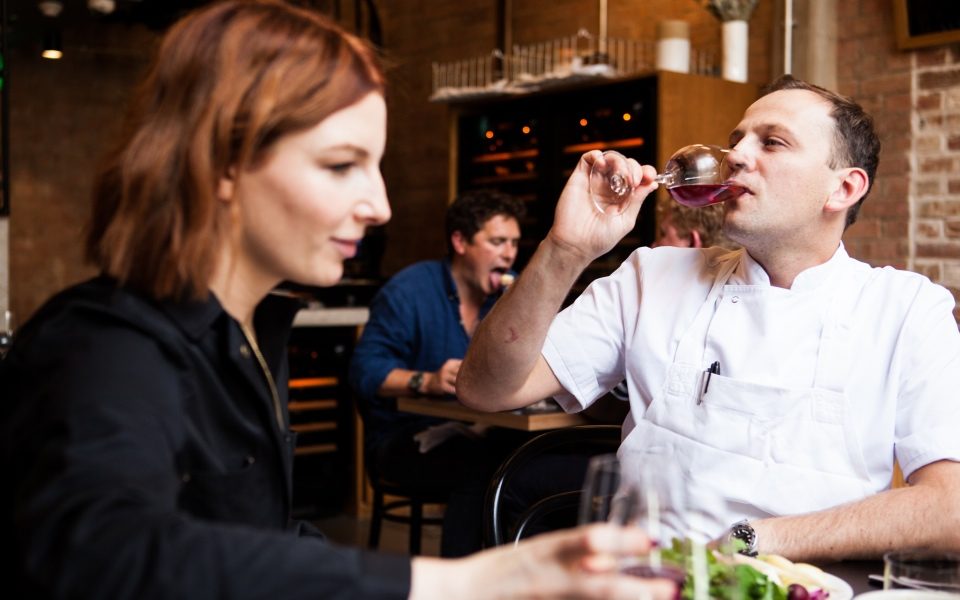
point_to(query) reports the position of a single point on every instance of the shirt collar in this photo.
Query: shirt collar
(194, 317)
(273, 317)
(750, 272)
(449, 286)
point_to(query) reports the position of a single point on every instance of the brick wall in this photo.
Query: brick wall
(872, 71)
(63, 117)
(912, 217)
(935, 169)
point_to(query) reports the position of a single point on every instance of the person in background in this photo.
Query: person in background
(783, 378)
(145, 436)
(685, 227)
(420, 324)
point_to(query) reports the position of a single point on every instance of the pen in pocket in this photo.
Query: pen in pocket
(713, 370)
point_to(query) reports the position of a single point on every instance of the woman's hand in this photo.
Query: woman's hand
(573, 563)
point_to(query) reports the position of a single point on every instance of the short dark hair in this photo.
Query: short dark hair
(855, 142)
(470, 210)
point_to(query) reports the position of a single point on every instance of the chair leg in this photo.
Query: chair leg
(416, 524)
(376, 519)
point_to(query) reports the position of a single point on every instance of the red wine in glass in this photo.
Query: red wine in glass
(697, 195)
(700, 170)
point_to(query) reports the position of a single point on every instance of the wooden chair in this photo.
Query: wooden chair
(405, 505)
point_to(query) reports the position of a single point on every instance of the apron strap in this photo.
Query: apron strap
(725, 265)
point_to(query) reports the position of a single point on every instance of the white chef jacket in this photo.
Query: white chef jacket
(820, 385)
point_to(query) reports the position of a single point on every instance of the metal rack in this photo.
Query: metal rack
(560, 61)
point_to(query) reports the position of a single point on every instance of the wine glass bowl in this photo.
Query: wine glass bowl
(699, 176)
(696, 175)
(629, 492)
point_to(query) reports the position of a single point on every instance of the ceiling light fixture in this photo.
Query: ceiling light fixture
(50, 8)
(102, 6)
(52, 46)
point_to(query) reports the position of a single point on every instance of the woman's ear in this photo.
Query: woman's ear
(852, 186)
(226, 186)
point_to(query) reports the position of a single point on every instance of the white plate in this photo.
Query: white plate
(906, 595)
(838, 588)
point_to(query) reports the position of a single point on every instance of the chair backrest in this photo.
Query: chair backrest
(538, 487)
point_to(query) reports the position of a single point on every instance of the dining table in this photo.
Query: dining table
(538, 417)
(862, 575)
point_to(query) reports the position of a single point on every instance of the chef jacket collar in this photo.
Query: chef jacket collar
(750, 272)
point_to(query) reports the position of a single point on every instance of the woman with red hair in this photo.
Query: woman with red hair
(145, 431)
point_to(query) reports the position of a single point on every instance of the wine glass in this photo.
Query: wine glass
(922, 570)
(695, 176)
(680, 518)
(6, 333)
(641, 494)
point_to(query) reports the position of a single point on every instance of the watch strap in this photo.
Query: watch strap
(415, 382)
(743, 531)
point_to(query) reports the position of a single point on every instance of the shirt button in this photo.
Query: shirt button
(185, 478)
(735, 299)
(244, 350)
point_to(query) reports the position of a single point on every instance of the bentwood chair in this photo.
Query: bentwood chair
(405, 506)
(396, 500)
(538, 487)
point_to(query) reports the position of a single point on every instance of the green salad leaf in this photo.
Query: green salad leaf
(727, 581)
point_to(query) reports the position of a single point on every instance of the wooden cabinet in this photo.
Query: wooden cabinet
(528, 145)
(322, 411)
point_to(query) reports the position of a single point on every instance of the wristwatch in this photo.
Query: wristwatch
(743, 531)
(416, 381)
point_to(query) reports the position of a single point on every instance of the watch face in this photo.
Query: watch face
(416, 380)
(745, 533)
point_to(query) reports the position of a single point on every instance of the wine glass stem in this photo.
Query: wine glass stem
(666, 179)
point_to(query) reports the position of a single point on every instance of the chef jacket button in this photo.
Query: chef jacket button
(250, 460)
(185, 478)
(244, 350)
(735, 299)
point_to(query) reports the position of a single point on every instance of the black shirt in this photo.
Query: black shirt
(141, 444)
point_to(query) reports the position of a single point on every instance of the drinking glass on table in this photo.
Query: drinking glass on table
(921, 570)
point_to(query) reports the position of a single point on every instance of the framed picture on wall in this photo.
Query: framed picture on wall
(919, 23)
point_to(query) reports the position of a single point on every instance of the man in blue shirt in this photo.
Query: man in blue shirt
(420, 324)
